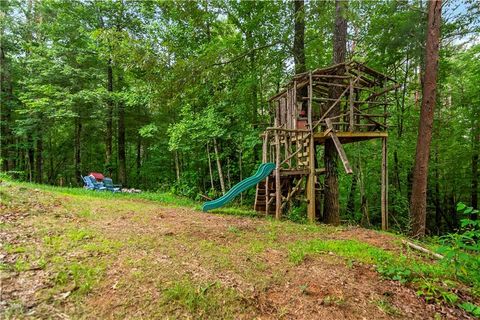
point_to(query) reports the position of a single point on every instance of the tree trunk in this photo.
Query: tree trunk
(77, 148)
(419, 187)
(39, 157)
(31, 157)
(219, 166)
(177, 166)
(122, 165)
(331, 201)
(475, 157)
(139, 157)
(351, 196)
(210, 171)
(109, 120)
(299, 37)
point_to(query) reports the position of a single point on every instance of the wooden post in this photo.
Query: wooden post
(351, 107)
(278, 192)
(384, 196)
(267, 191)
(311, 180)
(311, 156)
(310, 94)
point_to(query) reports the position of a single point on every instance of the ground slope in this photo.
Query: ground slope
(79, 256)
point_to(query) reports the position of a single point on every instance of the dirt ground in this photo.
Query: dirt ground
(79, 257)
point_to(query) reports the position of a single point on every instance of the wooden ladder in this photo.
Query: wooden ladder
(261, 197)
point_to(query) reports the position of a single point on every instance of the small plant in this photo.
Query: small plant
(461, 249)
(432, 291)
(385, 306)
(395, 272)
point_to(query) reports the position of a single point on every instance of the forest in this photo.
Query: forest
(335, 146)
(172, 96)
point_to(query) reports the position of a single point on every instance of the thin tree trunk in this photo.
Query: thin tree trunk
(419, 186)
(228, 174)
(31, 157)
(39, 157)
(363, 198)
(77, 148)
(122, 165)
(241, 174)
(331, 201)
(438, 207)
(351, 196)
(219, 166)
(177, 166)
(109, 120)
(475, 157)
(139, 157)
(210, 171)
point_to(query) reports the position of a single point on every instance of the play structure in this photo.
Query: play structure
(341, 104)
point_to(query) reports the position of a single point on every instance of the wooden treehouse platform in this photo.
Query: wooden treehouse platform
(343, 103)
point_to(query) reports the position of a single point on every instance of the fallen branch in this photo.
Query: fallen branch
(205, 197)
(422, 249)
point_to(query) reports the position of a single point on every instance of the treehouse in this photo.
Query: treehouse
(343, 103)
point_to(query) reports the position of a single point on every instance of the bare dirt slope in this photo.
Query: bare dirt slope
(76, 256)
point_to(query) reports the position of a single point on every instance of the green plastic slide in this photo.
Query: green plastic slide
(263, 171)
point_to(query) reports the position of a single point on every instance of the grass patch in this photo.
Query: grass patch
(201, 300)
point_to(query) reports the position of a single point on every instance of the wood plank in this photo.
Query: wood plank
(339, 147)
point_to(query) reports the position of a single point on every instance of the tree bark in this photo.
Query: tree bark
(331, 201)
(219, 166)
(418, 206)
(299, 37)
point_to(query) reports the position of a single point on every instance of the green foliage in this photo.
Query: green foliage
(461, 250)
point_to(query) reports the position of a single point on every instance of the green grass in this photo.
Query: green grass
(162, 197)
(204, 300)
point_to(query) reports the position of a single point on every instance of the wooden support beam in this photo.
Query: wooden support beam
(311, 181)
(278, 191)
(351, 115)
(384, 187)
(339, 147)
(310, 97)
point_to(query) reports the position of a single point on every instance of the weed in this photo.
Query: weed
(333, 300)
(385, 306)
(234, 230)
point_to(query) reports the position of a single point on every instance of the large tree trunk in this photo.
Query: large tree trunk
(299, 37)
(219, 166)
(419, 187)
(331, 201)
(109, 120)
